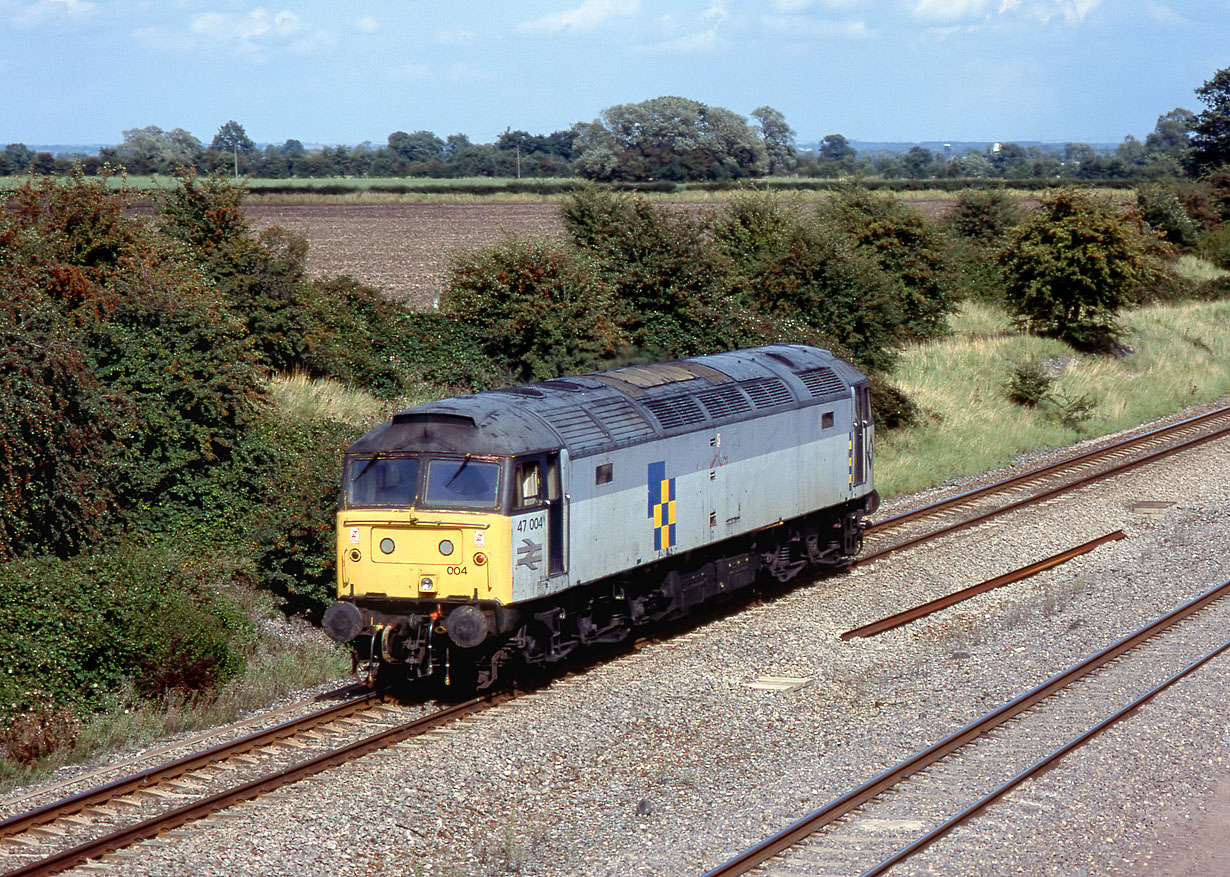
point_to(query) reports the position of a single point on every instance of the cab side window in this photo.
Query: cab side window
(529, 485)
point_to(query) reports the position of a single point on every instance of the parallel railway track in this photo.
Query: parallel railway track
(910, 806)
(65, 833)
(57, 836)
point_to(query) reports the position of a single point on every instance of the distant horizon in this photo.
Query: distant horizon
(811, 146)
(1079, 71)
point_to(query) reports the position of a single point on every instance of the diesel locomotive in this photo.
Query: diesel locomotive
(524, 522)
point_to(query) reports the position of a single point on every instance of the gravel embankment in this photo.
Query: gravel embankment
(668, 761)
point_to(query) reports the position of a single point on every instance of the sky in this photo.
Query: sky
(1094, 71)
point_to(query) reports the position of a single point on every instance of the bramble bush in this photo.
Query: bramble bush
(76, 630)
(131, 380)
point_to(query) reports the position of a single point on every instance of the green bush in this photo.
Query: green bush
(124, 358)
(1161, 209)
(76, 631)
(984, 216)
(294, 468)
(259, 277)
(1072, 266)
(353, 335)
(536, 308)
(1214, 246)
(910, 252)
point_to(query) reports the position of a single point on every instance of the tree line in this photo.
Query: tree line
(662, 139)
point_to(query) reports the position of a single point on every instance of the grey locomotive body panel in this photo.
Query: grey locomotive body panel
(722, 482)
(666, 458)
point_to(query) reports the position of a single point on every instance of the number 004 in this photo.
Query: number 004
(456, 570)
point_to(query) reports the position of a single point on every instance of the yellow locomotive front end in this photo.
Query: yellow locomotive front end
(423, 555)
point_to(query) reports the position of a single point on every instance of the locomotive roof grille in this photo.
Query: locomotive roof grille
(598, 411)
(675, 411)
(822, 381)
(724, 402)
(768, 392)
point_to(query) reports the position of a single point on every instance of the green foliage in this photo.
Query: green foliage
(1211, 128)
(145, 613)
(353, 335)
(984, 216)
(292, 537)
(258, 277)
(1071, 267)
(1214, 245)
(130, 380)
(1162, 210)
(536, 308)
(1030, 384)
(907, 249)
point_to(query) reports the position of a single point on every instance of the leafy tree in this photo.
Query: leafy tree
(421, 146)
(233, 139)
(151, 150)
(918, 163)
(17, 157)
(1211, 128)
(1072, 266)
(1171, 134)
(835, 147)
(669, 138)
(778, 140)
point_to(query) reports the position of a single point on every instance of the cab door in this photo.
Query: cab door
(862, 435)
(539, 525)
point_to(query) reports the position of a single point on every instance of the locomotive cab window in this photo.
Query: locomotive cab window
(467, 483)
(602, 473)
(535, 482)
(388, 481)
(826, 420)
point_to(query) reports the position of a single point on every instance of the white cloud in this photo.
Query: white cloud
(589, 15)
(808, 28)
(250, 35)
(702, 41)
(410, 72)
(54, 12)
(1071, 11)
(454, 37)
(367, 24)
(950, 10)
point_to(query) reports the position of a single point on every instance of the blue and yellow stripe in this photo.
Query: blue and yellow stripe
(662, 506)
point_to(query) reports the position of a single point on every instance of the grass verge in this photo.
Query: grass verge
(1180, 357)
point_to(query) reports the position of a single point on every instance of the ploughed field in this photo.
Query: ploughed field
(404, 250)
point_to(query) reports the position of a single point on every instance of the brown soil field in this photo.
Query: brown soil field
(405, 250)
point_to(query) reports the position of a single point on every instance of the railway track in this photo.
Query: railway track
(64, 833)
(58, 835)
(974, 507)
(905, 809)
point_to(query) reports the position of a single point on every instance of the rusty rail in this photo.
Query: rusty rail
(955, 597)
(853, 799)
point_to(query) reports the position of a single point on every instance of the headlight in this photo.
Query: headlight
(446, 547)
(386, 545)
